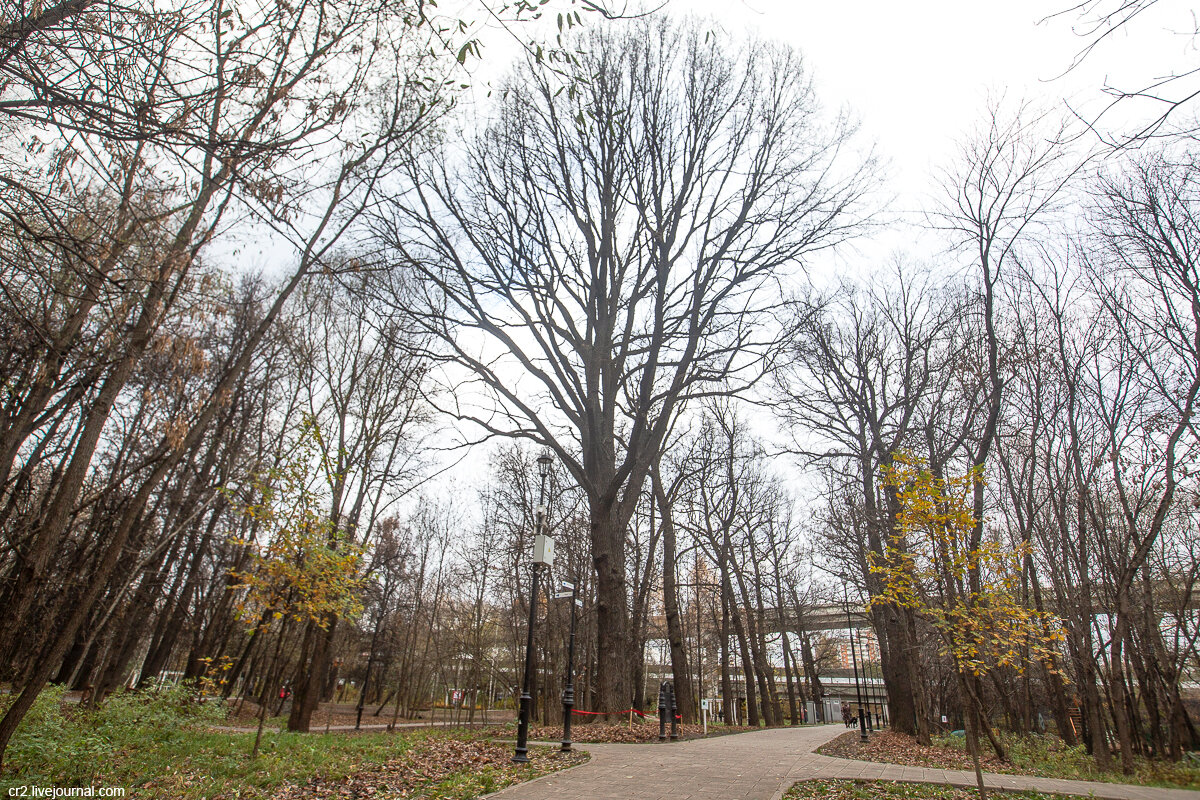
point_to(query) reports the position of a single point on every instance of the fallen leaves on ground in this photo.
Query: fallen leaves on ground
(621, 733)
(898, 748)
(891, 790)
(437, 767)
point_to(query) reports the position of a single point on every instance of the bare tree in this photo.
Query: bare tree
(615, 256)
(861, 368)
(363, 383)
(1170, 97)
(1008, 175)
(1145, 258)
(175, 119)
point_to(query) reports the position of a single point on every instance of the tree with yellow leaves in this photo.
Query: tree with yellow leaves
(303, 570)
(968, 594)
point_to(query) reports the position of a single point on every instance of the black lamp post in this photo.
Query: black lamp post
(543, 553)
(862, 722)
(568, 695)
(362, 695)
(673, 709)
(868, 689)
(883, 704)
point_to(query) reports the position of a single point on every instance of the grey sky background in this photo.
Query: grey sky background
(918, 76)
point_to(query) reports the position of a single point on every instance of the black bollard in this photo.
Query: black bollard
(674, 712)
(662, 711)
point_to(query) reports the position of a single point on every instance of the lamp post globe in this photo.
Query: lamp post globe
(543, 555)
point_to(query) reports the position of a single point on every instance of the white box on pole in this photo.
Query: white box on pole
(543, 549)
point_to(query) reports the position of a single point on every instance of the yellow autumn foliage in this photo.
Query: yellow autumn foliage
(300, 566)
(969, 594)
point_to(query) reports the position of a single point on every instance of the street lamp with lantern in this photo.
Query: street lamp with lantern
(862, 722)
(570, 590)
(543, 554)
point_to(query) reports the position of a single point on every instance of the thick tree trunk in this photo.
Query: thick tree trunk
(758, 646)
(1183, 734)
(310, 678)
(895, 628)
(793, 710)
(896, 655)
(765, 676)
(1093, 713)
(810, 669)
(612, 613)
(750, 644)
(727, 698)
(680, 670)
(1117, 687)
(748, 671)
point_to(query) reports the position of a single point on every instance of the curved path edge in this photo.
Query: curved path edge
(763, 765)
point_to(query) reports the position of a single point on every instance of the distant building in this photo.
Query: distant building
(866, 648)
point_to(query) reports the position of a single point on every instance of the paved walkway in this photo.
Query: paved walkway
(762, 766)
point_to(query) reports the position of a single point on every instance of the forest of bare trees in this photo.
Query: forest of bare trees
(317, 482)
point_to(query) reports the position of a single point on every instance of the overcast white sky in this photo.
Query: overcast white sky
(918, 75)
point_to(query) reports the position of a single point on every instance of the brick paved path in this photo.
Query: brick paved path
(762, 766)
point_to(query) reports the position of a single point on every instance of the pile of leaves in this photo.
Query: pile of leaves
(898, 748)
(1044, 756)
(438, 767)
(890, 790)
(622, 733)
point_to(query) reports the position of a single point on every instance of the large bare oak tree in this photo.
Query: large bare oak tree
(609, 246)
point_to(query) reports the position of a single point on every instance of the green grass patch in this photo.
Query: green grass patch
(1044, 756)
(1049, 756)
(162, 745)
(892, 790)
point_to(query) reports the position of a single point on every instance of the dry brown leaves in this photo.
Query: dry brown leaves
(620, 732)
(898, 748)
(889, 790)
(438, 767)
